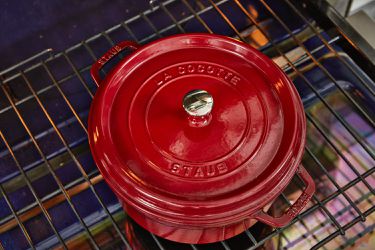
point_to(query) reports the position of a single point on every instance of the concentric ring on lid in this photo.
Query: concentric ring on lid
(151, 155)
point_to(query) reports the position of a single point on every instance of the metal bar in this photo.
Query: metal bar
(112, 29)
(32, 190)
(326, 211)
(326, 72)
(347, 208)
(78, 164)
(349, 185)
(266, 238)
(341, 143)
(55, 83)
(49, 203)
(172, 17)
(306, 81)
(181, 21)
(93, 56)
(66, 78)
(358, 43)
(14, 181)
(324, 201)
(344, 123)
(350, 242)
(304, 58)
(130, 32)
(130, 20)
(330, 215)
(279, 242)
(112, 43)
(358, 138)
(52, 195)
(317, 161)
(16, 217)
(151, 25)
(94, 37)
(340, 190)
(27, 60)
(193, 247)
(348, 7)
(225, 245)
(62, 80)
(157, 241)
(251, 237)
(108, 39)
(226, 19)
(309, 232)
(346, 227)
(324, 128)
(75, 242)
(79, 76)
(196, 15)
(254, 21)
(326, 137)
(91, 53)
(43, 90)
(59, 183)
(372, 91)
(37, 171)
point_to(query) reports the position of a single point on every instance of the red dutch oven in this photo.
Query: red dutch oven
(197, 134)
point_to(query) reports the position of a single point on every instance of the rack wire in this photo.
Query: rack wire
(339, 152)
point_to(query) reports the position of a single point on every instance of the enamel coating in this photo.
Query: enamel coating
(198, 184)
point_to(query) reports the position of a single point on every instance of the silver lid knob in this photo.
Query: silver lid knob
(198, 103)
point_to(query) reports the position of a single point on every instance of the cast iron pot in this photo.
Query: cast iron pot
(197, 134)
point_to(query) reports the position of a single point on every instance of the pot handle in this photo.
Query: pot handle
(108, 56)
(296, 208)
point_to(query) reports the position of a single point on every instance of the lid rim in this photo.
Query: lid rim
(158, 212)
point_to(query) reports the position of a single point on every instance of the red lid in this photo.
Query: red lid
(202, 157)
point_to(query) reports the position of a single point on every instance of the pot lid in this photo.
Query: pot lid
(197, 121)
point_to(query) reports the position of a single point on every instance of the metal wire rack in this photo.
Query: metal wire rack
(52, 195)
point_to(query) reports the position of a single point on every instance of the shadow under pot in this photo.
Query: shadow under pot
(196, 134)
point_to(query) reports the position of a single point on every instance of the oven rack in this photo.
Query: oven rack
(73, 64)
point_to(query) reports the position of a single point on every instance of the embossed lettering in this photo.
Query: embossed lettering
(220, 71)
(235, 80)
(167, 77)
(187, 170)
(210, 69)
(228, 76)
(199, 172)
(201, 68)
(181, 70)
(298, 205)
(210, 170)
(222, 167)
(175, 168)
(299, 170)
(190, 68)
(117, 48)
(112, 52)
